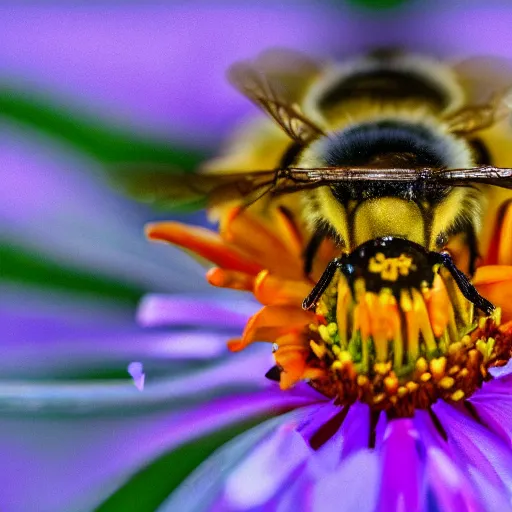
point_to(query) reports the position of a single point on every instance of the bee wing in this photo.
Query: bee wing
(472, 119)
(186, 191)
(487, 175)
(487, 82)
(292, 70)
(301, 179)
(483, 76)
(169, 188)
(263, 83)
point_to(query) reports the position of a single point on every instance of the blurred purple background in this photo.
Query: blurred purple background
(74, 260)
(161, 67)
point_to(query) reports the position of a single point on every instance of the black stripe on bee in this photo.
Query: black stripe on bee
(386, 85)
(388, 144)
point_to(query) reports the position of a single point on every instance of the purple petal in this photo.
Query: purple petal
(316, 418)
(445, 476)
(452, 489)
(294, 496)
(485, 455)
(502, 371)
(350, 437)
(136, 371)
(493, 404)
(205, 485)
(356, 429)
(353, 486)
(75, 463)
(401, 469)
(38, 330)
(102, 425)
(273, 461)
(308, 392)
(240, 372)
(158, 310)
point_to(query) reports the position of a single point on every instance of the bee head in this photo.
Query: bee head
(389, 264)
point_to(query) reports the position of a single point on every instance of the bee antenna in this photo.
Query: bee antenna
(465, 286)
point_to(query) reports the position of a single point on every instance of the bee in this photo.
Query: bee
(385, 145)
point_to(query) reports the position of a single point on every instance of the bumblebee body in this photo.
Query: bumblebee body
(386, 145)
(388, 111)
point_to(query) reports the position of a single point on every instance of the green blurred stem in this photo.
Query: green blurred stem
(377, 4)
(109, 144)
(19, 266)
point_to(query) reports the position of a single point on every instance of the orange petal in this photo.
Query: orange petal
(494, 282)
(293, 367)
(267, 334)
(251, 236)
(288, 380)
(230, 279)
(313, 373)
(270, 323)
(287, 358)
(439, 306)
(500, 248)
(204, 243)
(269, 289)
(296, 340)
(236, 344)
(291, 356)
(283, 350)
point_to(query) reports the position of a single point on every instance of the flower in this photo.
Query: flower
(400, 369)
(68, 406)
(346, 435)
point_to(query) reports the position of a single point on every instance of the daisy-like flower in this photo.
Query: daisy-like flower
(382, 434)
(413, 385)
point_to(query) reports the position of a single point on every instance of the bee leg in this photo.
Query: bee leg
(467, 289)
(311, 250)
(320, 287)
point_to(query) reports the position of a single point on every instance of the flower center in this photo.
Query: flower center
(397, 334)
